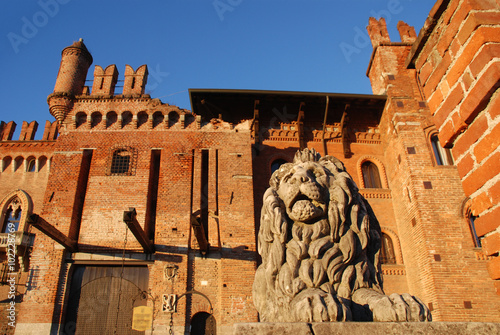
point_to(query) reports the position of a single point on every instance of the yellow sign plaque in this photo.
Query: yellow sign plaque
(142, 318)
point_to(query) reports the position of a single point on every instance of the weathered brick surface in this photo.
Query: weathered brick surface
(435, 239)
(461, 51)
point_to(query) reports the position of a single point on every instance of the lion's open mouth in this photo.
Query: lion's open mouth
(304, 209)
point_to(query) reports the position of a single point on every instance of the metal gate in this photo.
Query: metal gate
(102, 299)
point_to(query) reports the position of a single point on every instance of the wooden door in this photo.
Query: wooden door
(101, 299)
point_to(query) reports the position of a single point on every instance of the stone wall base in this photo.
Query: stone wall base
(371, 328)
(36, 329)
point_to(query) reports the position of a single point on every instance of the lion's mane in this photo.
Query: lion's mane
(326, 260)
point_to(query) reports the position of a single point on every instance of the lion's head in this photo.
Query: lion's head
(319, 242)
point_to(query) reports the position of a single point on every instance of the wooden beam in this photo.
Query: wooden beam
(325, 149)
(130, 218)
(343, 132)
(300, 125)
(199, 233)
(255, 122)
(52, 232)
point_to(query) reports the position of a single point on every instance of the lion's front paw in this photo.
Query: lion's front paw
(402, 307)
(315, 305)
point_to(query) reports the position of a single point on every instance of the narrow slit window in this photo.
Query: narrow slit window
(441, 155)
(472, 227)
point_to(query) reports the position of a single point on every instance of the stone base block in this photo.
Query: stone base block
(370, 328)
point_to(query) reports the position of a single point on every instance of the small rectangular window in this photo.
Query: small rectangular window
(122, 162)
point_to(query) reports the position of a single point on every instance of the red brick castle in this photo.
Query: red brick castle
(127, 201)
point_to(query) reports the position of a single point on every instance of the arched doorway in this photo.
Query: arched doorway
(203, 323)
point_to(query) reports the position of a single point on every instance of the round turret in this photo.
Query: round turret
(75, 62)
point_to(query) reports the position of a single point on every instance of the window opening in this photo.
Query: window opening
(111, 118)
(387, 255)
(121, 162)
(81, 118)
(126, 118)
(12, 218)
(371, 176)
(42, 161)
(442, 155)
(31, 165)
(472, 227)
(96, 118)
(142, 118)
(157, 119)
(275, 165)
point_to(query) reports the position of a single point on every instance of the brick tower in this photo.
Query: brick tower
(438, 247)
(75, 62)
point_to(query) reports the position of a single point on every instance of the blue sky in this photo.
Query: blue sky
(296, 45)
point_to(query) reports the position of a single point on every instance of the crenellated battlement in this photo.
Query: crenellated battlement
(28, 131)
(377, 30)
(105, 80)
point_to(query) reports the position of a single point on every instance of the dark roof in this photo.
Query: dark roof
(237, 105)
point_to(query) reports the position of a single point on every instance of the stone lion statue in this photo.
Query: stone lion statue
(320, 243)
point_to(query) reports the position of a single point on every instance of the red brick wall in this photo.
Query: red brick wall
(443, 267)
(459, 70)
(226, 276)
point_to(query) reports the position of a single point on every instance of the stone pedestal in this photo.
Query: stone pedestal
(370, 328)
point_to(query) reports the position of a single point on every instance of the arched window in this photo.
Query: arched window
(42, 161)
(121, 162)
(371, 176)
(31, 165)
(173, 118)
(12, 216)
(467, 213)
(472, 227)
(126, 118)
(81, 118)
(111, 119)
(275, 165)
(387, 255)
(142, 118)
(442, 155)
(157, 119)
(6, 161)
(95, 119)
(18, 163)
(12, 219)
